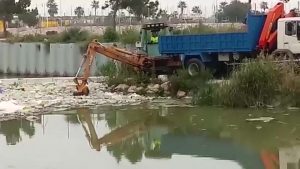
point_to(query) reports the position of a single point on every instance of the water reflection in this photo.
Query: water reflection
(12, 130)
(137, 134)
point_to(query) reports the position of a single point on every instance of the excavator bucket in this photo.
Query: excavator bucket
(81, 85)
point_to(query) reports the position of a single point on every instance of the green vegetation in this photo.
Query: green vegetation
(110, 35)
(130, 36)
(123, 74)
(259, 84)
(184, 82)
(253, 84)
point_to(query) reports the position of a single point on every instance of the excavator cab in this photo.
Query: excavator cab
(149, 34)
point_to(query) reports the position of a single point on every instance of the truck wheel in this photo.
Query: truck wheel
(194, 66)
(281, 55)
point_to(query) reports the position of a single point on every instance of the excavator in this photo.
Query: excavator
(145, 60)
(148, 59)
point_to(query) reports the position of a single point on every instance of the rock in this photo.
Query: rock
(163, 78)
(121, 88)
(166, 86)
(153, 88)
(132, 89)
(139, 89)
(181, 94)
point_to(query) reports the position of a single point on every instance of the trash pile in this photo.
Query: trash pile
(25, 98)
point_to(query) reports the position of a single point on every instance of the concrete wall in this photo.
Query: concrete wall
(43, 59)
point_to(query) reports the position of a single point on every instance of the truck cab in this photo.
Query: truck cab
(147, 32)
(289, 35)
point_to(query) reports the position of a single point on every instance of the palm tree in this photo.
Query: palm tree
(264, 5)
(79, 11)
(197, 10)
(182, 5)
(95, 6)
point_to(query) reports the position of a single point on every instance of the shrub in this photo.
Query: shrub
(253, 84)
(110, 35)
(109, 69)
(130, 36)
(183, 81)
(290, 85)
(125, 75)
(74, 35)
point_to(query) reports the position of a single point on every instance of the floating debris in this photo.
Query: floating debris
(261, 119)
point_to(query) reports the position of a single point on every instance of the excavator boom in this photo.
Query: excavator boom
(138, 61)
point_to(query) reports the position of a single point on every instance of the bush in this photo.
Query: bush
(130, 36)
(109, 69)
(290, 85)
(125, 75)
(184, 82)
(253, 84)
(73, 35)
(110, 35)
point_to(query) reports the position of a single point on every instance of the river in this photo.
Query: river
(151, 137)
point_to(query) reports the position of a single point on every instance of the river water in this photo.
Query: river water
(149, 137)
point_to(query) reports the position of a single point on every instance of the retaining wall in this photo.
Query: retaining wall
(43, 59)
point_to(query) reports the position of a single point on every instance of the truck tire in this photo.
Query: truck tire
(280, 55)
(194, 66)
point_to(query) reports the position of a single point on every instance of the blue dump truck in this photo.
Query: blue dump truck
(214, 50)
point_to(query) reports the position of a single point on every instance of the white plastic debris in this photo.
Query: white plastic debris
(9, 107)
(261, 119)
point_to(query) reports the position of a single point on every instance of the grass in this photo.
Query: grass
(125, 75)
(254, 84)
(184, 82)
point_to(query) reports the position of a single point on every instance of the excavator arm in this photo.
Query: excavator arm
(138, 61)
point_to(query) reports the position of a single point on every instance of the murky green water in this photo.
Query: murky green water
(139, 137)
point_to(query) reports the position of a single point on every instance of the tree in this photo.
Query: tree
(79, 11)
(197, 10)
(235, 11)
(52, 8)
(182, 5)
(30, 17)
(174, 14)
(115, 5)
(143, 8)
(163, 14)
(10, 7)
(95, 6)
(264, 5)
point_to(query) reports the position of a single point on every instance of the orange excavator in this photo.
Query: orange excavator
(147, 59)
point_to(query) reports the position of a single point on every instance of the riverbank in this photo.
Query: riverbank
(29, 97)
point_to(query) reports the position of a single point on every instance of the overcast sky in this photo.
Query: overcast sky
(171, 5)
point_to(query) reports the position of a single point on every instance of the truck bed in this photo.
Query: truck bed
(215, 43)
(226, 42)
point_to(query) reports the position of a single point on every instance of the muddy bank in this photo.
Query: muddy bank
(31, 97)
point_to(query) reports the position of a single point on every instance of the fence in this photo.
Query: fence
(43, 59)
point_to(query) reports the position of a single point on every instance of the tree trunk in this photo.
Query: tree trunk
(95, 12)
(114, 20)
(181, 14)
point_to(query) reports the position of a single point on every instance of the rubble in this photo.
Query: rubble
(26, 99)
